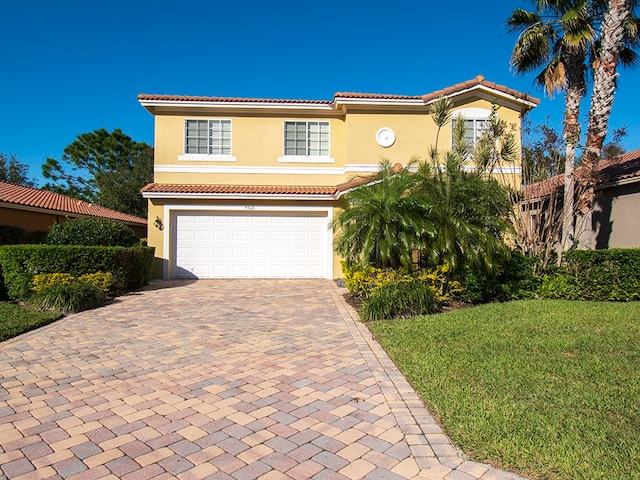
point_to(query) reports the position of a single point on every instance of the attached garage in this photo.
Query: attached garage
(251, 244)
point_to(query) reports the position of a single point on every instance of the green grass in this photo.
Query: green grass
(548, 388)
(15, 319)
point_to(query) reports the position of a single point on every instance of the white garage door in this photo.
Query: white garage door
(250, 244)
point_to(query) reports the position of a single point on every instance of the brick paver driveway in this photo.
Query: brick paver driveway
(216, 379)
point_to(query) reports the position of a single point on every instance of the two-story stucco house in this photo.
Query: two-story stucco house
(248, 187)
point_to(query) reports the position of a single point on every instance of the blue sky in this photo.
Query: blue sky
(73, 66)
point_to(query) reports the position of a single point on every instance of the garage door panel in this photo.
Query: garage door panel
(250, 244)
(239, 253)
(259, 236)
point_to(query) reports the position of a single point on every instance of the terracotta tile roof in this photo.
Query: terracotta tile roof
(237, 189)
(622, 167)
(376, 96)
(192, 98)
(58, 203)
(479, 80)
(167, 188)
(356, 182)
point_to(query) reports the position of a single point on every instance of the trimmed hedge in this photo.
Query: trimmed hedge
(602, 275)
(92, 231)
(131, 267)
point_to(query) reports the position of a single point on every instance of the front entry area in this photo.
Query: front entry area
(251, 244)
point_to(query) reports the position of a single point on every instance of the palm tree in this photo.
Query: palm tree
(557, 38)
(619, 35)
(382, 219)
(449, 216)
(470, 212)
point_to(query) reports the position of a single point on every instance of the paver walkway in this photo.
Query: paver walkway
(244, 379)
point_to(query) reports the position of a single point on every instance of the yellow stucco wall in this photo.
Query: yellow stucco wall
(257, 142)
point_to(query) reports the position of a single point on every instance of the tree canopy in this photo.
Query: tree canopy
(14, 171)
(566, 39)
(104, 168)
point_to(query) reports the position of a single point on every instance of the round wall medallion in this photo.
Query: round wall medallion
(385, 137)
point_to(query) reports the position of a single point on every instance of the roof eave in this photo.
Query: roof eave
(153, 105)
(64, 213)
(238, 196)
(618, 183)
(492, 91)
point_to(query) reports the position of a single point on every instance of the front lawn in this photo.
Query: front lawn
(548, 388)
(15, 319)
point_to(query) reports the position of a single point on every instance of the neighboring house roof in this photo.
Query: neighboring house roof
(169, 189)
(342, 98)
(19, 195)
(623, 168)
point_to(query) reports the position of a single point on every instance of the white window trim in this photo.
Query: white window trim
(206, 156)
(471, 113)
(279, 170)
(203, 157)
(304, 158)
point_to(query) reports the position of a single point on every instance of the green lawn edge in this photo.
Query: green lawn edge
(548, 388)
(17, 319)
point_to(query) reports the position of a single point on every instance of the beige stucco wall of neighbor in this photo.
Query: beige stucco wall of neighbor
(615, 218)
(29, 220)
(33, 220)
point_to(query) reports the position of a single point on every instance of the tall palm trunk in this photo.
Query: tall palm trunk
(575, 91)
(604, 84)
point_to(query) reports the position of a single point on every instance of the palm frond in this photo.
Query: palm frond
(520, 19)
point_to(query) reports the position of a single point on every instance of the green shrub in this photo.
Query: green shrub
(517, 280)
(478, 286)
(10, 235)
(363, 281)
(43, 281)
(67, 298)
(36, 237)
(92, 231)
(514, 279)
(602, 275)
(131, 267)
(4, 295)
(400, 299)
(103, 281)
(560, 286)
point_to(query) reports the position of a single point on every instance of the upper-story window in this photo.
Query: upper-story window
(474, 129)
(306, 141)
(207, 140)
(475, 120)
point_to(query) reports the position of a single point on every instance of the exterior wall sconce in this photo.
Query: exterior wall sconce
(158, 223)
